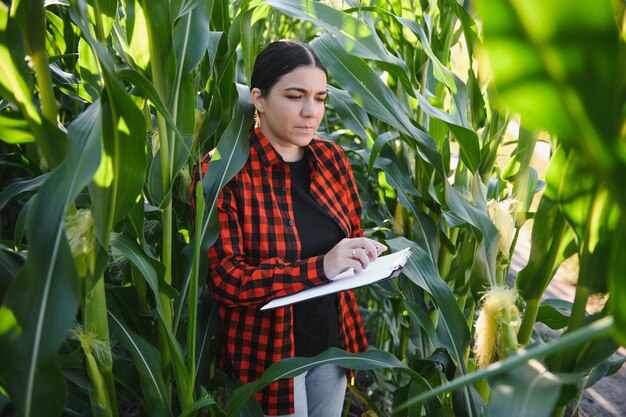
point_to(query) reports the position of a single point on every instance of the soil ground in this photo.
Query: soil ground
(608, 396)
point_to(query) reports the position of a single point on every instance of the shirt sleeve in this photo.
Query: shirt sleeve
(237, 283)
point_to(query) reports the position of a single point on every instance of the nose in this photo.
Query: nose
(308, 108)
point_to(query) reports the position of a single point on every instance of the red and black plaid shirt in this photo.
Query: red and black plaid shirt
(257, 258)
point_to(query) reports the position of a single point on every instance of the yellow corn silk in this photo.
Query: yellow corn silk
(501, 215)
(496, 327)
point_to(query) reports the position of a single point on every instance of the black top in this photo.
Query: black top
(316, 322)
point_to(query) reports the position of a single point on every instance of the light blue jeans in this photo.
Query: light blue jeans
(320, 392)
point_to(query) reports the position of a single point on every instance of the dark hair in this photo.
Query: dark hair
(279, 58)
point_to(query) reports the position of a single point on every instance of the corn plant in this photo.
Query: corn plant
(107, 107)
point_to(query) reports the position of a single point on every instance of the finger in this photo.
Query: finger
(362, 257)
(356, 266)
(378, 247)
(371, 248)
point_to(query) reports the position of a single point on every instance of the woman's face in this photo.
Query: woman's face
(292, 111)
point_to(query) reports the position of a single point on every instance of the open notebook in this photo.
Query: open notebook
(382, 268)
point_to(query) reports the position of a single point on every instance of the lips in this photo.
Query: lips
(306, 128)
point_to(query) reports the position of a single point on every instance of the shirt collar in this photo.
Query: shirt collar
(267, 153)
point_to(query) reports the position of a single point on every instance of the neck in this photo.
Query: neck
(291, 154)
(288, 151)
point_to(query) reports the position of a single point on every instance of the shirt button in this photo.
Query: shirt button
(290, 222)
(284, 189)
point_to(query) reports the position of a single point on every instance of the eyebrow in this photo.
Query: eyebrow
(304, 91)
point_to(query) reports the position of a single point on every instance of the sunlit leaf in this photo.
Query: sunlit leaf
(118, 185)
(137, 33)
(14, 129)
(557, 64)
(15, 78)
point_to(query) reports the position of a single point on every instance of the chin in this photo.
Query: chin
(302, 140)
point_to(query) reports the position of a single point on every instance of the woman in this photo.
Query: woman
(289, 220)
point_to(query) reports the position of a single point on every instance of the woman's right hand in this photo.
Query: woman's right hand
(355, 253)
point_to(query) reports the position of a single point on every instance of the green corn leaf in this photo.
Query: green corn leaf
(55, 39)
(603, 218)
(191, 37)
(457, 210)
(468, 25)
(147, 89)
(399, 178)
(441, 73)
(189, 6)
(233, 149)
(127, 376)
(189, 41)
(14, 129)
(550, 237)
(593, 355)
(101, 14)
(291, 367)
(158, 21)
(118, 183)
(88, 69)
(198, 405)
(597, 330)
(454, 334)
(20, 187)
(146, 266)
(30, 16)
(208, 326)
(606, 368)
(15, 79)
(10, 264)
(467, 137)
(351, 114)
(363, 84)
(353, 34)
(41, 303)
(557, 64)
(373, 95)
(617, 283)
(529, 391)
(137, 34)
(422, 319)
(554, 313)
(379, 143)
(589, 210)
(570, 182)
(20, 224)
(147, 360)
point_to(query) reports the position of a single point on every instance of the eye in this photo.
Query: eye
(294, 97)
(321, 99)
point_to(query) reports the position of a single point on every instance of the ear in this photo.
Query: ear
(257, 99)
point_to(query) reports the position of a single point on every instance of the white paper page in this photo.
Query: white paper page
(380, 269)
